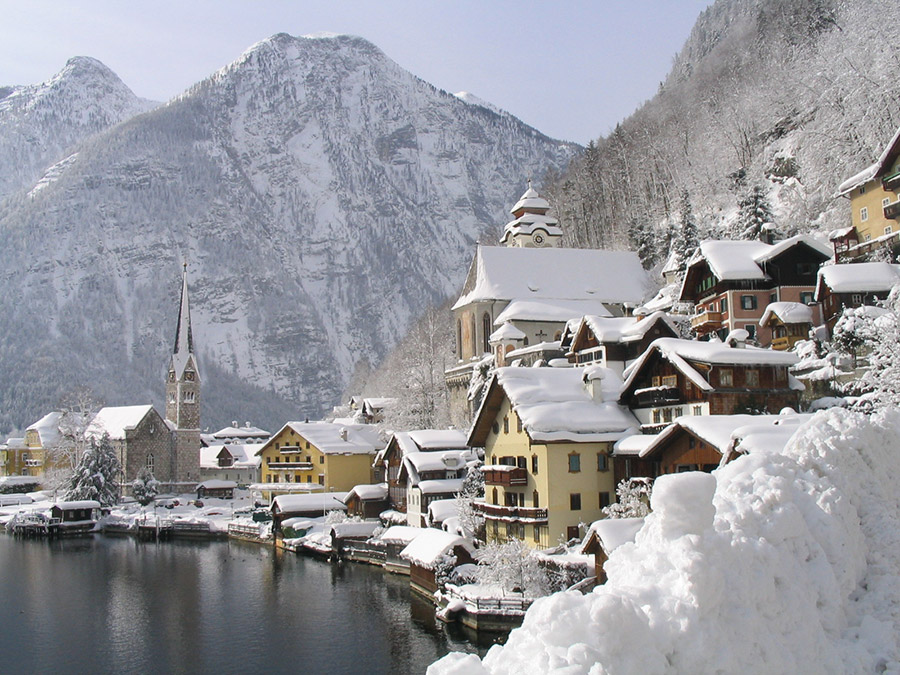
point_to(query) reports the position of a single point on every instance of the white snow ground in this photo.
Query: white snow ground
(783, 561)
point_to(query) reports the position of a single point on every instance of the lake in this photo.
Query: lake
(117, 605)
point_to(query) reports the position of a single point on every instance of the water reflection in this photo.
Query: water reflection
(119, 605)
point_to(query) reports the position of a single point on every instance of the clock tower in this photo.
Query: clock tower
(532, 227)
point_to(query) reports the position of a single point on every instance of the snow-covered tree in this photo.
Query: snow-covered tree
(632, 499)
(855, 332)
(686, 237)
(512, 566)
(470, 520)
(96, 475)
(145, 487)
(881, 380)
(60, 459)
(755, 220)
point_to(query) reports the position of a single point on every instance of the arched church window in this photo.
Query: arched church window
(459, 344)
(150, 462)
(472, 341)
(486, 329)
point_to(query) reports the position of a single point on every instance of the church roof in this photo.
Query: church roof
(530, 200)
(512, 273)
(115, 420)
(184, 340)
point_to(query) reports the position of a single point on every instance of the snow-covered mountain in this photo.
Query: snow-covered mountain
(322, 196)
(39, 123)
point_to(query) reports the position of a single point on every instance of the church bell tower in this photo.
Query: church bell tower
(183, 377)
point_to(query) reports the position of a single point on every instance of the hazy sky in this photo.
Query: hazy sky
(572, 69)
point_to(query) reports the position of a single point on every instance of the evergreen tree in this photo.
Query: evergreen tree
(145, 487)
(755, 220)
(96, 474)
(686, 237)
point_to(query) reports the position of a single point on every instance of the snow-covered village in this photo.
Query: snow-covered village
(318, 367)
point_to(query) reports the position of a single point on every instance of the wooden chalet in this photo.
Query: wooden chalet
(604, 536)
(614, 342)
(428, 552)
(674, 378)
(75, 517)
(787, 323)
(368, 501)
(853, 285)
(216, 489)
(731, 282)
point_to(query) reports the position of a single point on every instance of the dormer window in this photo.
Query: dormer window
(189, 375)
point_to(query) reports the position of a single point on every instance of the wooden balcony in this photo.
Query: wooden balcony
(892, 211)
(654, 397)
(892, 182)
(708, 321)
(523, 514)
(781, 344)
(505, 476)
(289, 466)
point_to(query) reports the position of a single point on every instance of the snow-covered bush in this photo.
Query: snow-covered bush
(632, 499)
(337, 517)
(145, 487)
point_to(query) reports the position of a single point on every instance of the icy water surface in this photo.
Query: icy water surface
(116, 605)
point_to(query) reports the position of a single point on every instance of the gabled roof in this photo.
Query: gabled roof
(867, 277)
(610, 533)
(554, 405)
(241, 432)
(621, 329)
(333, 439)
(116, 420)
(416, 463)
(555, 311)
(682, 353)
(244, 455)
(881, 165)
(787, 312)
(183, 351)
(47, 429)
(429, 547)
(368, 492)
(730, 260)
(512, 273)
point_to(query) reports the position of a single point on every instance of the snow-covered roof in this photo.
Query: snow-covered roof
(722, 431)
(116, 420)
(338, 439)
(554, 404)
(787, 312)
(513, 273)
(80, 504)
(732, 260)
(368, 492)
(624, 329)
(441, 509)
(438, 461)
(530, 199)
(241, 432)
(428, 548)
(679, 352)
(47, 429)
(555, 311)
(506, 332)
(613, 532)
(182, 353)
(244, 455)
(323, 501)
(872, 171)
(215, 484)
(866, 277)
(633, 445)
(443, 486)
(400, 534)
(438, 439)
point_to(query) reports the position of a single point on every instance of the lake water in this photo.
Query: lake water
(116, 605)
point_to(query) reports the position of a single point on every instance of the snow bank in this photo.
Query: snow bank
(778, 562)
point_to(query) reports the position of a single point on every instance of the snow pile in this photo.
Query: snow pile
(777, 562)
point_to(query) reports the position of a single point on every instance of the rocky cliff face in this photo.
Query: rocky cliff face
(322, 196)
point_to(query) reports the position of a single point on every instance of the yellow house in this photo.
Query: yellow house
(311, 456)
(548, 434)
(874, 195)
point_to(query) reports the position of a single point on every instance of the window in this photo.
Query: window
(510, 499)
(308, 459)
(806, 297)
(494, 497)
(506, 425)
(575, 501)
(667, 415)
(751, 377)
(321, 479)
(486, 329)
(697, 410)
(321, 459)
(602, 462)
(535, 499)
(495, 428)
(574, 462)
(725, 377)
(521, 462)
(856, 298)
(691, 442)
(657, 416)
(864, 214)
(670, 381)
(188, 397)
(679, 411)
(534, 464)
(885, 202)
(888, 229)
(150, 462)
(537, 533)
(723, 305)
(751, 330)
(519, 425)
(748, 302)
(867, 237)
(459, 338)
(604, 500)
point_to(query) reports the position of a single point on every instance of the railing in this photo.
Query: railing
(519, 513)
(503, 477)
(892, 211)
(781, 344)
(704, 318)
(289, 466)
(891, 182)
(658, 396)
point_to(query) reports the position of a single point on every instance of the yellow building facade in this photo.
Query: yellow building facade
(310, 456)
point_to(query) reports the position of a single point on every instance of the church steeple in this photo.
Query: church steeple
(183, 377)
(532, 227)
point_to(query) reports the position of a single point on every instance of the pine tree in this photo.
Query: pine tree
(96, 474)
(145, 487)
(755, 220)
(686, 237)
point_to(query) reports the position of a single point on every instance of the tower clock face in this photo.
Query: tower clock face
(538, 238)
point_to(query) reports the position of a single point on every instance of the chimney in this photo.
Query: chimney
(593, 382)
(737, 338)
(343, 433)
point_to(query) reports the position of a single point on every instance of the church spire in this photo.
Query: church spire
(184, 340)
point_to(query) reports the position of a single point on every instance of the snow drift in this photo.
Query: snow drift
(782, 561)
